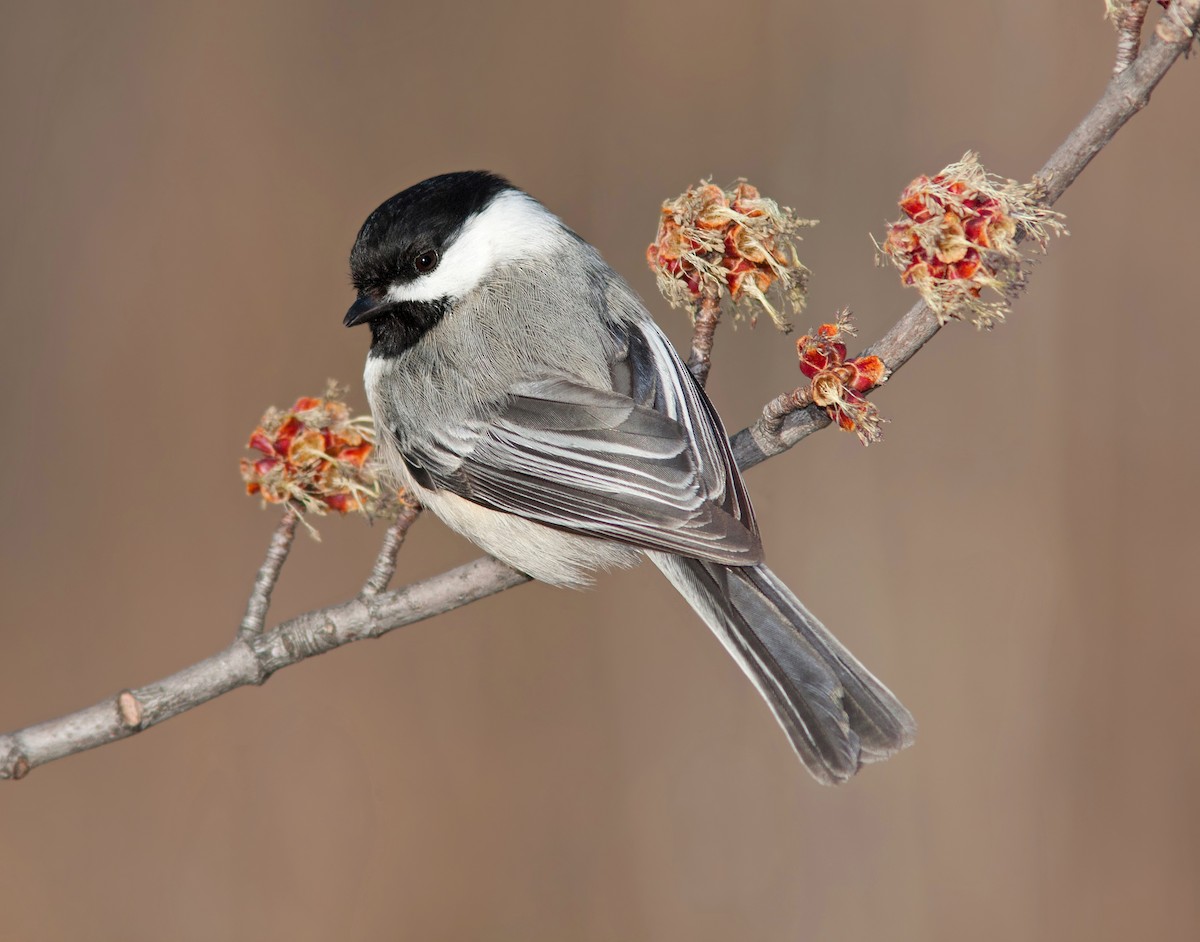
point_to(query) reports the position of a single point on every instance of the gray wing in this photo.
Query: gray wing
(646, 463)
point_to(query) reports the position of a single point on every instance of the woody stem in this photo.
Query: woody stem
(704, 329)
(1129, 33)
(385, 562)
(268, 574)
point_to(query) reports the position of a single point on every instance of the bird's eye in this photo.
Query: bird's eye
(426, 261)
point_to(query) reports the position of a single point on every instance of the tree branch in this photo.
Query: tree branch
(385, 562)
(704, 329)
(268, 574)
(1129, 33)
(250, 660)
(255, 655)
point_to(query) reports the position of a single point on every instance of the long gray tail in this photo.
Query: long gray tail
(836, 714)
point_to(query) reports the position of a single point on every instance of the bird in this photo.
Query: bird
(524, 394)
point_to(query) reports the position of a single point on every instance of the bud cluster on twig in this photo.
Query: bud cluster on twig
(316, 458)
(959, 238)
(711, 241)
(837, 381)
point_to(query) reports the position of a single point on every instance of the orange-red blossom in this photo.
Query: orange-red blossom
(959, 236)
(315, 455)
(837, 382)
(711, 240)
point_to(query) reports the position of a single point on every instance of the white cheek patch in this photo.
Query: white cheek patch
(372, 375)
(513, 226)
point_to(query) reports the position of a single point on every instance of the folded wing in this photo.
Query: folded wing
(645, 463)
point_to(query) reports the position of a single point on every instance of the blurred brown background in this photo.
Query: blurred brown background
(181, 184)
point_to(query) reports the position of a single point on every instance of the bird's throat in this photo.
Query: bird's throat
(405, 323)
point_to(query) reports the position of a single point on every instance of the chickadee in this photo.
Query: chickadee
(523, 393)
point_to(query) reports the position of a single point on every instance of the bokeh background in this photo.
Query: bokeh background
(180, 186)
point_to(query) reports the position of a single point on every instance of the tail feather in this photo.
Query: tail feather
(835, 713)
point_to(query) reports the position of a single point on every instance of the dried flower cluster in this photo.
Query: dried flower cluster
(315, 455)
(1115, 9)
(959, 237)
(712, 240)
(837, 382)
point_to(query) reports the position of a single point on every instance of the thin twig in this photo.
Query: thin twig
(385, 562)
(704, 329)
(1129, 33)
(250, 660)
(268, 574)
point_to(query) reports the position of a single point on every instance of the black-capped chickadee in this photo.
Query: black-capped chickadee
(523, 393)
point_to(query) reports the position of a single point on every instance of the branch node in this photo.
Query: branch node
(129, 710)
(303, 637)
(779, 408)
(20, 768)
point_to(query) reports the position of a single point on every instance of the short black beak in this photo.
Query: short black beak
(364, 309)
